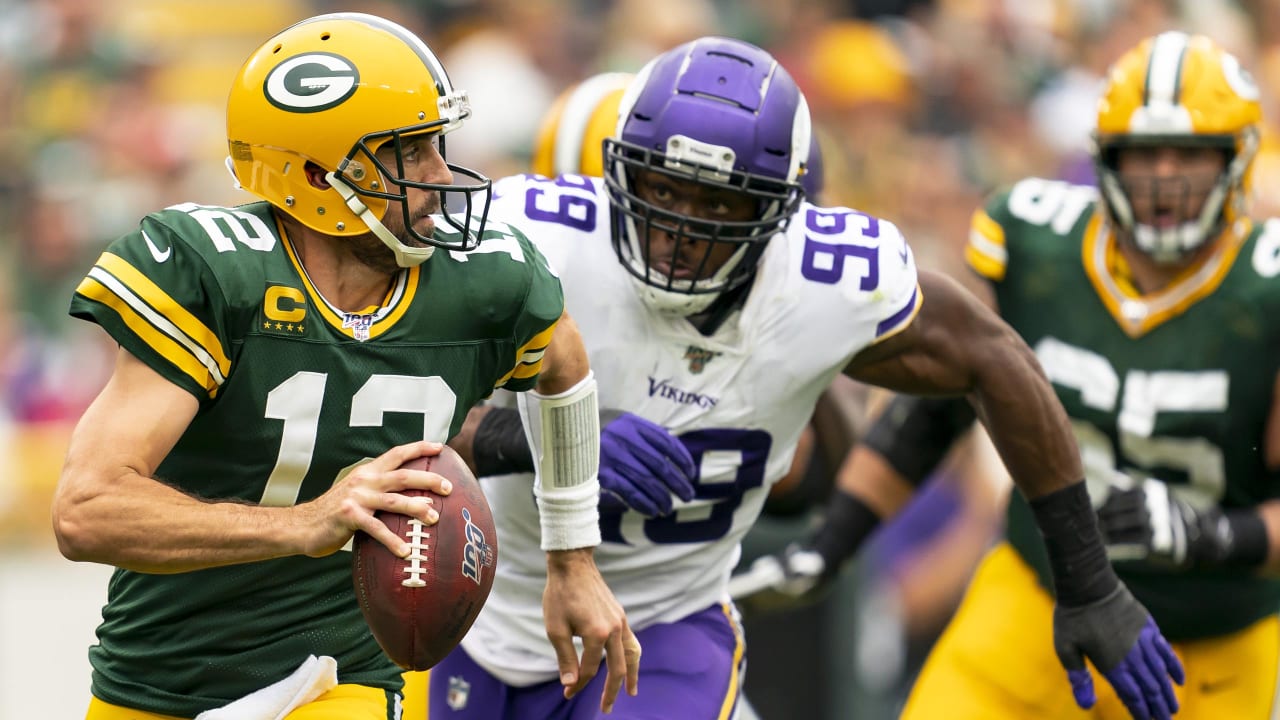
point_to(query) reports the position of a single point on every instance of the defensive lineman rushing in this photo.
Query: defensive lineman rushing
(279, 361)
(717, 306)
(1151, 302)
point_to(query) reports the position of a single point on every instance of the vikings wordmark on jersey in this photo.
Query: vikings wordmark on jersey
(833, 283)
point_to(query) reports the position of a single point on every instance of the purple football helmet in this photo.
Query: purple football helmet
(721, 113)
(812, 178)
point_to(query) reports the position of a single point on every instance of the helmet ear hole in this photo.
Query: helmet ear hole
(316, 176)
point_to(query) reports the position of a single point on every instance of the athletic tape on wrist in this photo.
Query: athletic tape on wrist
(565, 433)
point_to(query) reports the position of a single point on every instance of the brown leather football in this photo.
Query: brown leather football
(420, 607)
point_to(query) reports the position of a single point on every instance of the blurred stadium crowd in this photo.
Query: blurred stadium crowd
(110, 109)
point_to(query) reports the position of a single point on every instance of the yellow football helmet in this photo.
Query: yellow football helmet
(330, 91)
(573, 130)
(1178, 90)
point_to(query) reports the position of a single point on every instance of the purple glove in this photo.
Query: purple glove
(641, 465)
(1123, 642)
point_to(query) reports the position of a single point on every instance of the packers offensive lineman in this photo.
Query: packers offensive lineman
(1151, 302)
(280, 360)
(717, 306)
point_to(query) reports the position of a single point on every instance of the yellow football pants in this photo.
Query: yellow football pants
(995, 661)
(415, 695)
(344, 702)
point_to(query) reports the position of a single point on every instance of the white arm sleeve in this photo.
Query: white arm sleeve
(563, 431)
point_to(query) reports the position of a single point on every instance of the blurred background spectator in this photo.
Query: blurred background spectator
(112, 108)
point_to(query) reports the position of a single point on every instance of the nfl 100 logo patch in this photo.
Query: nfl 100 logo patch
(358, 324)
(699, 357)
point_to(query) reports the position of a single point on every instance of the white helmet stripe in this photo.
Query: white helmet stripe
(428, 57)
(1165, 69)
(575, 118)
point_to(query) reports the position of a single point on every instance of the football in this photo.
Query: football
(419, 607)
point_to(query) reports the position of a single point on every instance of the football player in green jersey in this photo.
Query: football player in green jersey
(1151, 302)
(280, 360)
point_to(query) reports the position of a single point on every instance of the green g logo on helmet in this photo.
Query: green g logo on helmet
(311, 82)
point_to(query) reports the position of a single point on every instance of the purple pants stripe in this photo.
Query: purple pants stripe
(691, 669)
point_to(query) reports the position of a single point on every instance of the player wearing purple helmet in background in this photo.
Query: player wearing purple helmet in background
(716, 306)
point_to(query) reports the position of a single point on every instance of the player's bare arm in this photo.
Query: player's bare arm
(109, 475)
(956, 345)
(576, 601)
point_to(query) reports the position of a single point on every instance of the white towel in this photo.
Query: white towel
(313, 678)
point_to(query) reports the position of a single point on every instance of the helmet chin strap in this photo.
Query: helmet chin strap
(406, 257)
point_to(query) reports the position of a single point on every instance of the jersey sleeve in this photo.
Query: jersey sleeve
(1032, 217)
(850, 270)
(536, 322)
(899, 292)
(986, 251)
(159, 299)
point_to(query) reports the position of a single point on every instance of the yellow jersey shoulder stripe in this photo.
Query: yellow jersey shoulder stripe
(152, 303)
(985, 251)
(95, 287)
(529, 356)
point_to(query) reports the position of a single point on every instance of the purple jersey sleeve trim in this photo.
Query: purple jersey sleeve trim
(899, 320)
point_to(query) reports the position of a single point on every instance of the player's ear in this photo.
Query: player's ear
(315, 176)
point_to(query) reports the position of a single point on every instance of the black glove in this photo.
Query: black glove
(1151, 525)
(1118, 635)
(1096, 618)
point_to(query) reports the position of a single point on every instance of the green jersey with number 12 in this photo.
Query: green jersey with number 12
(1175, 385)
(293, 393)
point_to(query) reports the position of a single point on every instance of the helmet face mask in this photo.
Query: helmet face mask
(1182, 94)
(397, 181)
(721, 116)
(678, 250)
(330, 92)
(1167, 188)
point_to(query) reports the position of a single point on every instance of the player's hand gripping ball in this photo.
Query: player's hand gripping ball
(419, 607)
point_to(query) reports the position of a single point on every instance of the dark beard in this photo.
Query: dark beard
(373, 254)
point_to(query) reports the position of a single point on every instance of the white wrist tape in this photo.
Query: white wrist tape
(564, 434)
